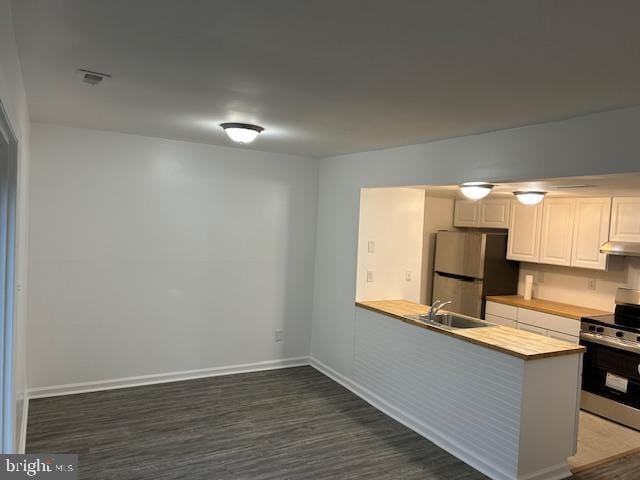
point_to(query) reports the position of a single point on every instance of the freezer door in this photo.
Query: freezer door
(460, 253)
(466, 295)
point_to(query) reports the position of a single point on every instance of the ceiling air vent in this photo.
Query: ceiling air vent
(92, 78)
(573, 186)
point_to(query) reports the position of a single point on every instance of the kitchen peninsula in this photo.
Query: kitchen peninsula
(503, 400)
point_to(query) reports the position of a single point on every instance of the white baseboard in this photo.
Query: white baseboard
(557, 472)
(84, 387)
(23, 424)
(554, 473)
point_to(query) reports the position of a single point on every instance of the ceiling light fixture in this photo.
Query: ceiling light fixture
(241, 132)
(476, 190)
(529, 197)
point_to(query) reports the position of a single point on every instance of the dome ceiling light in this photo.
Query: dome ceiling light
(241, 132)
(529, 197)
(476, 190)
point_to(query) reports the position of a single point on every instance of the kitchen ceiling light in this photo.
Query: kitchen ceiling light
(241, 132)
(529, 198)
(476, 190)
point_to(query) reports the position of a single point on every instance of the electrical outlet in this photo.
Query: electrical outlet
(371, 246)
(591, 284)
(369, 276)
(407, 275)
(278, 335)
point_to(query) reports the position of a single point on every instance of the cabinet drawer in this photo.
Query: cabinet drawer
(563, 336)
(501, 310)
(547, 321)
(532, 329)
(500, 320)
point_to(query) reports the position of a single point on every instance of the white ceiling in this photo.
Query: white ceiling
(326, 76)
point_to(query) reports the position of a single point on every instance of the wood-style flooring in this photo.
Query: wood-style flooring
(289, 424)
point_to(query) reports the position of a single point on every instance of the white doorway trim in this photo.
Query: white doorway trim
(8, 188)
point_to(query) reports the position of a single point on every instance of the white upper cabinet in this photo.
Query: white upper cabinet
(494, 213)
(556, 237)
(487, 213)
(625, 219)
(590, 231)
(466, 214)
(524, 232)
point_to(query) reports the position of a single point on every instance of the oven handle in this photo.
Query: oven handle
(590, 337)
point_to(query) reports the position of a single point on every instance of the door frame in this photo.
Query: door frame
(8, 193)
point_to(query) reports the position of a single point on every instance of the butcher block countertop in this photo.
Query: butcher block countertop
(547, 306)
(518, 343)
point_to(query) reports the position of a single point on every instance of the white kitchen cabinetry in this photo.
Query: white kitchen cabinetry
(466, 213)
(625, 219)
(556, 236)
(494, 213)
(524, 232)
(590, 231)
(500, 320)
(561, 231)
(555, 326)
(488, 213)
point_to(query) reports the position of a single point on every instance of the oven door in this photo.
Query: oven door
(611, 372)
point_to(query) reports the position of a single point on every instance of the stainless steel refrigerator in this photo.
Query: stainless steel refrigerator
(469, 266)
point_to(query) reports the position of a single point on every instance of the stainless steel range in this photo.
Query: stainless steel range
(611, 365)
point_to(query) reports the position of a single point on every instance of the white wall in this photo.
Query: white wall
(152, 256)
(393, 218)
(571, 285)
(593, 144)
(14, 102)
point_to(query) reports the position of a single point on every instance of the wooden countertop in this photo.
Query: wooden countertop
(547, 306)
(521, 344)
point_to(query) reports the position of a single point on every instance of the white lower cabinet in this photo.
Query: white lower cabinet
(554, 326)
(500, 320)
(532, 329)
(563, 336)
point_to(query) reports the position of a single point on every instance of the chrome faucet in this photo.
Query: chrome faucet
(436, 307)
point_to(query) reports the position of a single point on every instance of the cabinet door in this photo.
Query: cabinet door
(532, 329)
(500, 320)
(547, 321)
(590, 231)
(494, 213)
(556, 236)
(467, 213)
(563, 336)
(625, 219)
(524, 232)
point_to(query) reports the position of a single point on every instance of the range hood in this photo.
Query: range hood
(627, 249)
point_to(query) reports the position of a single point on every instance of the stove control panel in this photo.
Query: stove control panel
(613, 337)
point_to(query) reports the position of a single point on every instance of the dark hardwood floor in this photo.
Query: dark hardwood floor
(284, 424)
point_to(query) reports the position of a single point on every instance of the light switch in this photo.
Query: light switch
(371, 246)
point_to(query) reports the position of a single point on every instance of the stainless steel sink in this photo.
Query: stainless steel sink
(450, 321)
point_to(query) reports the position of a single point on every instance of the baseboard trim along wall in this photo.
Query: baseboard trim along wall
(85, 387)
(22, 445)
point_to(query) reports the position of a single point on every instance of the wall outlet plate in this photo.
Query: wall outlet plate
(371, 246)
(369, 276)
(279, 335)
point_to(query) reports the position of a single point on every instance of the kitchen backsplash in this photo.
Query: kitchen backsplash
(590, 288)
